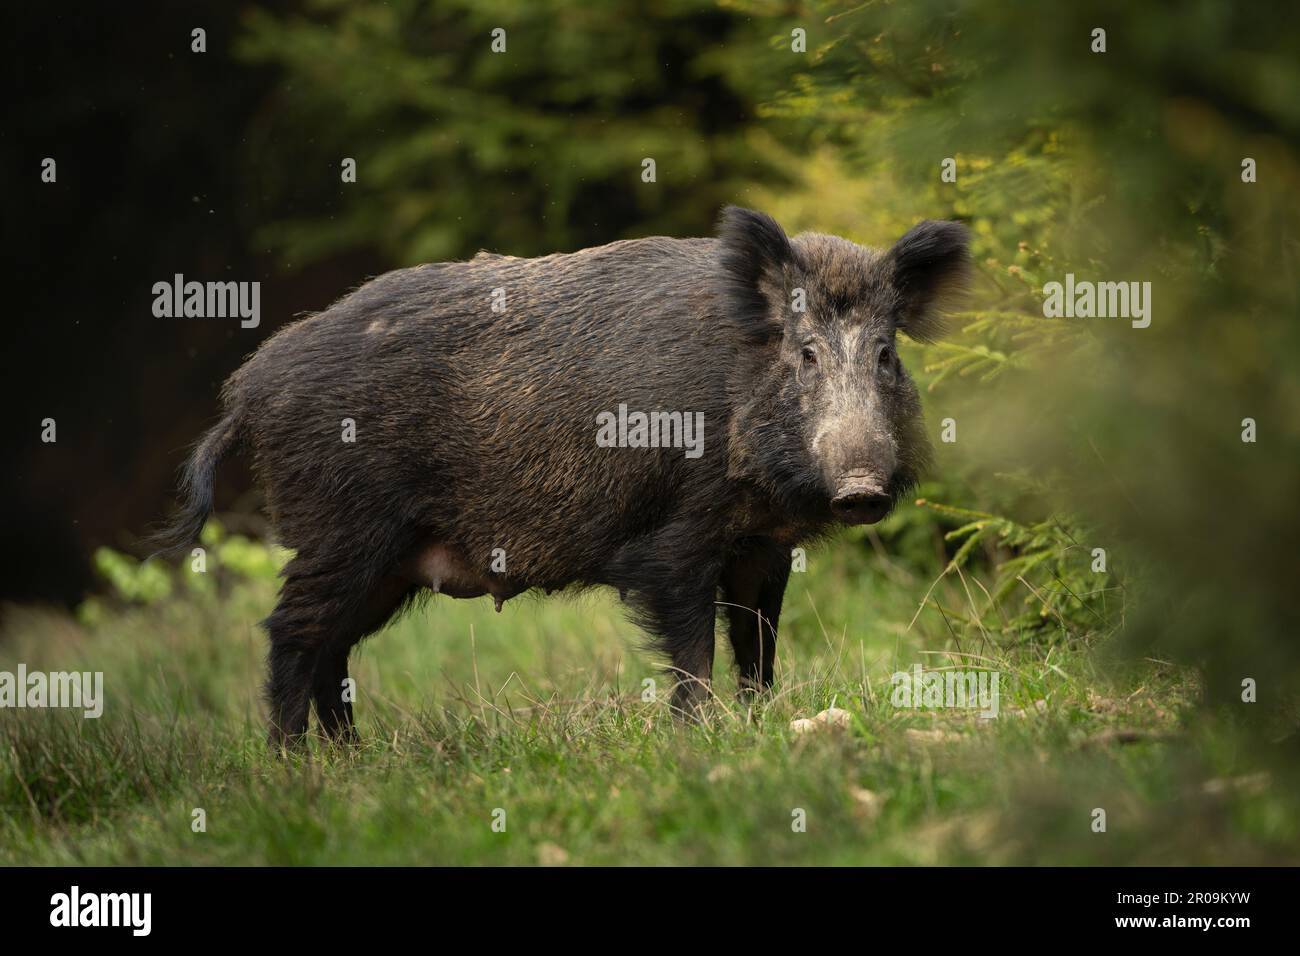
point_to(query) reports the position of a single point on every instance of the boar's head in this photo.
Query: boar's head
(827, 419)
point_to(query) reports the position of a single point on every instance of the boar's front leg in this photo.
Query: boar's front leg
(687, 632)
(753, 586)
(671, 579)
(684, 622)
(673, 598)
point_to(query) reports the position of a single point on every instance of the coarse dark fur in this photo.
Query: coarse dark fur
(475, 431)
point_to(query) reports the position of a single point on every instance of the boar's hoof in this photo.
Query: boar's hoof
(689, 699)
(282, 744)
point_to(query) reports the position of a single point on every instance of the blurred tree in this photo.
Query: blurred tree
(534, 149)
(1122, 165)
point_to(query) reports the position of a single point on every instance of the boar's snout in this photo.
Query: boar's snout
(860, 499)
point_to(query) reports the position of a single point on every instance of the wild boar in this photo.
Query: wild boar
(667, 417)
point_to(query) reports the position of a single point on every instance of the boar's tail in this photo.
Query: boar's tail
(182, 530)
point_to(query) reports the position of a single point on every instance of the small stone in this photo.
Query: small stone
(869, 803)
(832, 718)
(548, 854)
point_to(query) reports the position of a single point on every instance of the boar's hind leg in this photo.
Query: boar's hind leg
(333, 703)
(321, 613)
(753, 585)
(296, 628)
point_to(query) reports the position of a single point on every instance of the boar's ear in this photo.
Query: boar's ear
(754, 255)
(926, 266)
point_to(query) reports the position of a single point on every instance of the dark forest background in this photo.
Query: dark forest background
(225, 165)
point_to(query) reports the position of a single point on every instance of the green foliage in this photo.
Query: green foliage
(1047, 561)
(228, 560)
(240, 556)
(140, 582)
(528, 151)
(1123, 166)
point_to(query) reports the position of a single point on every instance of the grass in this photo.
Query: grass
(539, 712)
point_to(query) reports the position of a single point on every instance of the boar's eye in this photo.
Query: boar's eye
(807, 373)
(886, 362)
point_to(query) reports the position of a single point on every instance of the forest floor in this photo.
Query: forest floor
(529, 737)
